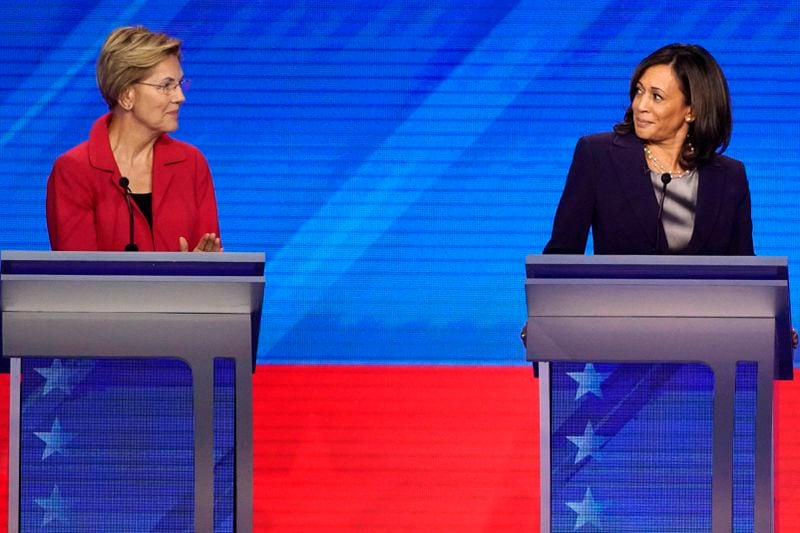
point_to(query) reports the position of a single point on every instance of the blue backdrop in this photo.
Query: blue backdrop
(396, 160)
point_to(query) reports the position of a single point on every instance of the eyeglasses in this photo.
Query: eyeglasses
(169, 87)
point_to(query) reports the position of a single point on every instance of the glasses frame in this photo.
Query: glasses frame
(164, 88)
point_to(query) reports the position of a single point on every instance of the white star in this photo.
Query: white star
(55, 507)
(588, 444)
(54, 440)
(589, 381)
(588, 510)
(59, 376)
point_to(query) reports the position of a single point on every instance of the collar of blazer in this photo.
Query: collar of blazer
(627, 157)
(166, 151)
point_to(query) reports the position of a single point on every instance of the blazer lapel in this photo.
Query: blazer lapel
(100, 155)
(630, 168)
(166, 154)
(710, 191)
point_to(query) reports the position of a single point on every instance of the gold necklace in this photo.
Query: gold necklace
(661, 168)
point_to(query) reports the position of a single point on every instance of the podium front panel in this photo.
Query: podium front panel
(657, 389)
(632, 444)
(134, 407)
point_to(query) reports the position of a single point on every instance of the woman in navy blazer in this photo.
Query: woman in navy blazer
(674, 132)
(608, 189)
(678, 124)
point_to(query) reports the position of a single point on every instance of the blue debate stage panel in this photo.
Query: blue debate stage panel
(371, 145)
(679, 437)
(366, 145)
(107, 445)
(632, 445)
(131, 389)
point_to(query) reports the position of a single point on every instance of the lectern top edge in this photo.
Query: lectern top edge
(227, 257)
(132, 264)
(708, 260)
(657, 267)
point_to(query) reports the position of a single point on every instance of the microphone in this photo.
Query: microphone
(666, 177)
(123, 182)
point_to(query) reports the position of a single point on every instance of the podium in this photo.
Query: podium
(724, 313)
(196, 309)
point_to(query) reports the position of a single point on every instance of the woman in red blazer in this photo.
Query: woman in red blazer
(128, 151)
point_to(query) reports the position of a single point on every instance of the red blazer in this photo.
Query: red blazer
(86, 209)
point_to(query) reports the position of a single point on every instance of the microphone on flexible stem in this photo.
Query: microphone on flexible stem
(123, 182)
(666, 177)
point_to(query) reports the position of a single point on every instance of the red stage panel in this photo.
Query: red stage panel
(787, 455)
(4, 386)
(396, 448)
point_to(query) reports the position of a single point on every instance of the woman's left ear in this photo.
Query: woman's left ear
(125, 99)
(690, 116)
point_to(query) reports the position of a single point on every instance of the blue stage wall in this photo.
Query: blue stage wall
(396, 160)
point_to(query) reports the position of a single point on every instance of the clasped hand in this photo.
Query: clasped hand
(209, 242)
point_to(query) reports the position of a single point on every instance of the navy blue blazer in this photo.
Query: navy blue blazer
(609, 190)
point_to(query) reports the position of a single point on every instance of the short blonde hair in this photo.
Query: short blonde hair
(126, 57)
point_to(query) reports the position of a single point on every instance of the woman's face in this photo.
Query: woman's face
(660, 112)
(156, 99)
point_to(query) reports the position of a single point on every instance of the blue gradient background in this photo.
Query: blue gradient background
(396, 160)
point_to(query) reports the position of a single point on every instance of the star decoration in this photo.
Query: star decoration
(588, 510)
(588, 444)
(55, 507)
(589, 381)
(54, 440)
(59, 377)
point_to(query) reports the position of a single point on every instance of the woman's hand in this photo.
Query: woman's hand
(209, 242)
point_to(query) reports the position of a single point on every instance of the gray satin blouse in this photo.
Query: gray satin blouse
(679, 208)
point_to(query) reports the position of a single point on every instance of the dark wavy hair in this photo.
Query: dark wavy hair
(704, 88)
